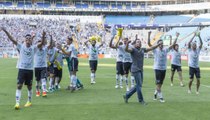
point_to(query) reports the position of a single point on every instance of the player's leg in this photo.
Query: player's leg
(126, 71)
(172, 74)
(20, 81)
(56, 75)
(117, 74)
(52, 71)
(74, 71)
(191, 73)
(132, 77)
(179, 70)
(38, 81)
(44, 81)
(198, 80)
(28, 82)
(93, 66)
(162, 77)
(121, 74)
(60, 77)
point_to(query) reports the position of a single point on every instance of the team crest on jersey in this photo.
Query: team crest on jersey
(27, 52)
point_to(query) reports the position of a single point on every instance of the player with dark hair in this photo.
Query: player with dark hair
(176, 62)
(193, 61)
(25, 65)
(137, 54)
(93, 58)
(160, 64)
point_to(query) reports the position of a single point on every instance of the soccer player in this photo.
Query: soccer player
(119, 62)
(176, 61)
(25, 66)
(93, 58)
(40, 67)
(72, 53)
(193, 59)
(127, 62)
(137, 54)
(160, 64)
(51, 59)
(58, 64)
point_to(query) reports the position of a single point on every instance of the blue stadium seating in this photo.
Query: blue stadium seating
(84, 5)
(43, 5)
(61, 5)
(6, 4)
(110, 19)
(101, 6)
(172, 19)
(118, 6)
(201, 18)
(22, 4)
(128, 7)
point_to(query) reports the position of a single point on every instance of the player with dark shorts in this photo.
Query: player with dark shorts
(119, 62)
(193, 61)
(160, 65)
(79, 85)
(58, 68)
(93, 58)
(127, 62)
(40, 66)
(25, 65)
(73, 56)
(176, 62)
(51, 59)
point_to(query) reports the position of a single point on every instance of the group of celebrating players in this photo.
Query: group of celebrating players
(48, 62)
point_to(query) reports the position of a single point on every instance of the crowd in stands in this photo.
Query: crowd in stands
(62, 28)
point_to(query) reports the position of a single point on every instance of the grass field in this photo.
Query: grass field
(102, 101)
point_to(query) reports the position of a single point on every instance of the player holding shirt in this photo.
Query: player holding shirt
(193, 59)
(176, 62)
(25, 66)
(58, 68)
(127, 62)
(93, 58)
(160, 64)
(119, 62)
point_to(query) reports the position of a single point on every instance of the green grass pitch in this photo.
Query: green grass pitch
(102, 101)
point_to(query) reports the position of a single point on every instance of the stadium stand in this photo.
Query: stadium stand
(172, 19)
(119, 19)
(201, 18)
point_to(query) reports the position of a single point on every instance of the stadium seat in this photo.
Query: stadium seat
(82, 6)
(172, 19)
(201, 18)
(22, 4)
(58, 5)
(110, 19)
(43, 5)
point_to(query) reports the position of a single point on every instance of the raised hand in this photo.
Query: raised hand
(149, 32)
(129, 42)
(177, 34)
